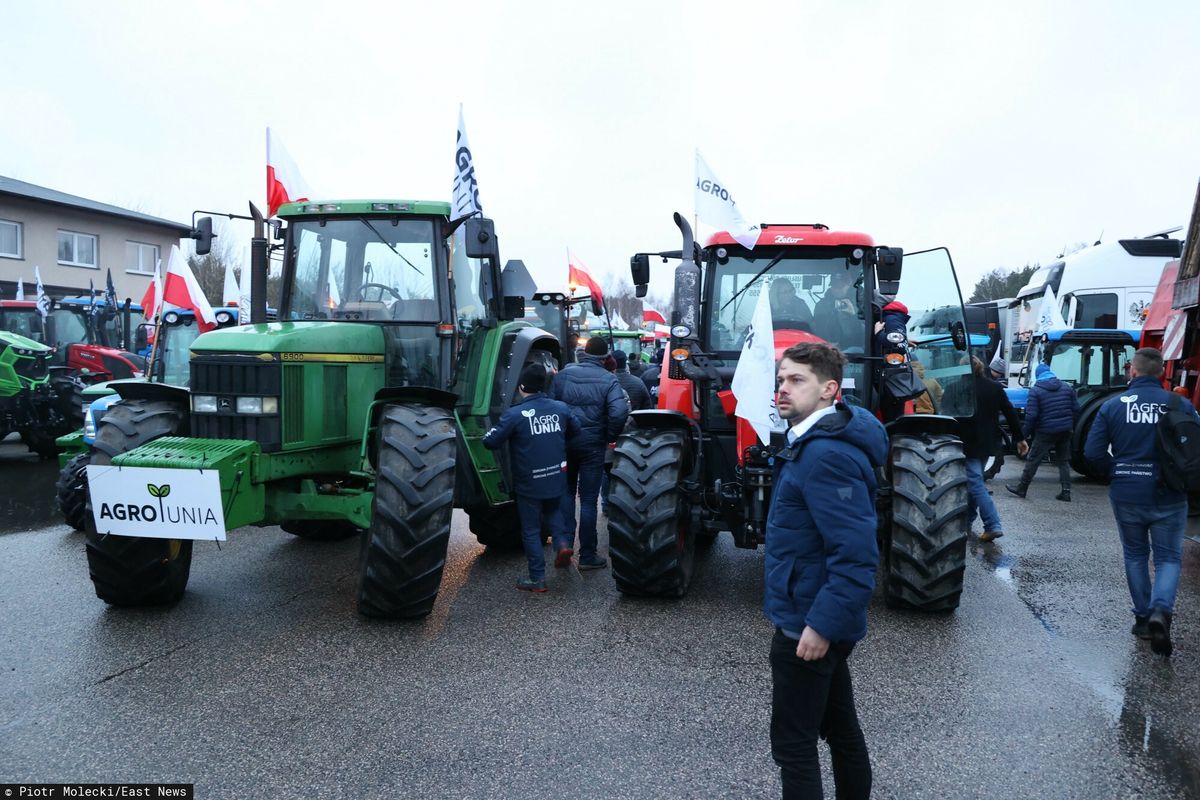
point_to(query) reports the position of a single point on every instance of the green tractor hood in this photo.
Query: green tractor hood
(11, 339)
(297, 341)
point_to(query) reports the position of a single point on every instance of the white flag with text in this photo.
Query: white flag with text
(754, 380)
(1049, 315)
(715, 206)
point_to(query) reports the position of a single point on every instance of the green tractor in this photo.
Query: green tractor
(360, 411)
(36, 400)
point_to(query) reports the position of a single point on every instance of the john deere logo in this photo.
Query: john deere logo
(146, 512)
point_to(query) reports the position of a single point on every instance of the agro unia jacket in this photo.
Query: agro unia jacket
(821, 553)
(539, 429)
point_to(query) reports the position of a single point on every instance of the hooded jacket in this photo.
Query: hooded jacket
(538, 428)
(821, 552)
(1128, 422)
(1052, 407)
(893, 338)
(598, 401)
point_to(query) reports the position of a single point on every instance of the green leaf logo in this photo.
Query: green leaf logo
(158, 491)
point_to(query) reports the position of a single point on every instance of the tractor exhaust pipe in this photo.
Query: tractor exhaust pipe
(259, 264)
(685, 317)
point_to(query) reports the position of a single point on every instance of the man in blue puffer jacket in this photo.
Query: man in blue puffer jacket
(1050, 414)
(821, 558)
(1150, 516)
(601, 407)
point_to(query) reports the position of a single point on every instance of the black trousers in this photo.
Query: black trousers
(1043, 443)
(811, 699)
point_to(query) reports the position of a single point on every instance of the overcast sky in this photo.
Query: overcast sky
(1004, 133)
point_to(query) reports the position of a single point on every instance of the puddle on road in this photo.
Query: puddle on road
(26, 490)
(1123, 701)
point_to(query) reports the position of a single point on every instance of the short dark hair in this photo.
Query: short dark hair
(596, 346)
(825, 360)
(1149, 362)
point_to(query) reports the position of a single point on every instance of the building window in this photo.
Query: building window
(141, 257)
(10, 239)
(77, 249)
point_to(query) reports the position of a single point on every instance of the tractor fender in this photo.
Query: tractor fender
(916, 424)
(658, 419)
(526, 341)
(140, 389)
(424, 395)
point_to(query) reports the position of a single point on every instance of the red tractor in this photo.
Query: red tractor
(690, 468)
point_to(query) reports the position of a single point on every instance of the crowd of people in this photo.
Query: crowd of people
(821, 554)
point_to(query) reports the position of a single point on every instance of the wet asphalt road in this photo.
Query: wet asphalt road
(263, 683)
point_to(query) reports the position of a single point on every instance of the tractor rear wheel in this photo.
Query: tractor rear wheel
(926, 556)
(132, 570)
(650, 540)
(1083, 426)
(320, 530)
(71, 490)
(404, 551)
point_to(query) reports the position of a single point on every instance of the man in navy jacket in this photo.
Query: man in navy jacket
(602, 408)
(538, 428)
(1050, 414)
(1149, 515)
(821, 558)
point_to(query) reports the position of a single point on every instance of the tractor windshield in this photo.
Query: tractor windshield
(25, 321)
(821, 296)
(362, 269)
(1084, 365)
(70, 327)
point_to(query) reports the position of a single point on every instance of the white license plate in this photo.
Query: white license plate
(158, 503)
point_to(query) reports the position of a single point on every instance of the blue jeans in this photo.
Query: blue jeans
(978, 500)
(1146, 528)
(584, 472)
(532, 511)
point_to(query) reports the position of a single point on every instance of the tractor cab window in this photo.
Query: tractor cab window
(819, 296)
(929, 289)
(27, 324)
(367, 269)
(469, 304)
(69, 327)
(172, 354)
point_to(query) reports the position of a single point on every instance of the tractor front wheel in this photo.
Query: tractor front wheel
(71, 490)
(132, 570)
(404, 551)
(926, 556)
(652, 544)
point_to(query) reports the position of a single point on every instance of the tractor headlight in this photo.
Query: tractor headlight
(224, 318)
(258, 405)
(171, 318)
(204, 403)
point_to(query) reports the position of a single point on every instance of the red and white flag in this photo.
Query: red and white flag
(181, 289)
(284, 183)
(578, 277)
(153, 296)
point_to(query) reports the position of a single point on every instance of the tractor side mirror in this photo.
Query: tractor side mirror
(1023, 377)
(958, 334)
(481, 239)
(276, 229)
(597, 309)
(639, 268)
(889, 261)
(203, 234)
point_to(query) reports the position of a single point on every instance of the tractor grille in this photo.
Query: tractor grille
(32, 369)
(228, 378)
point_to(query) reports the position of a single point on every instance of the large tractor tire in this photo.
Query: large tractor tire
(1083, 426)
(926, 554)
(71, 491)
(650, 540)
(404, 551)
(320, 530)
(131, 570)
(58, 414)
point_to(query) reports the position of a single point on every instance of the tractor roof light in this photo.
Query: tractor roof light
(171, 318)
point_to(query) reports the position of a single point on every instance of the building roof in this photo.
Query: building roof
(16, 188)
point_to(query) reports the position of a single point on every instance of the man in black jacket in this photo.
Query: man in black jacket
(539, 428)
(1050, 415)
(600, 405)
(639, 395)
(979, 441)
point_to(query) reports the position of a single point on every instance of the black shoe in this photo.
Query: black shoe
(1160, 632)
(530, 585)
(1064, 495)
(1141, 627)
(1017, 490)
(595, 562)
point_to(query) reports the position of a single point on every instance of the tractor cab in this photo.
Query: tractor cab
(93, 339)
(23, 318)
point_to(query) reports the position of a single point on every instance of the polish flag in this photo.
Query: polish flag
(284, 183)
(182, 290)
(578, 277)
(150, 300)
(650, 315)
